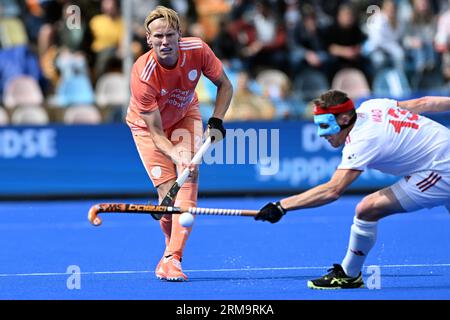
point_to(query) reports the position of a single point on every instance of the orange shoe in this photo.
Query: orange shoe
(169, 268)
(172, 265)
(159, 271)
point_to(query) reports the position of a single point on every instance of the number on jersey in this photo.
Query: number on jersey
(399, 124)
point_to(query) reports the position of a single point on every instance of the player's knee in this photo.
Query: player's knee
(165, 219)
(163, 188)
(367, 210)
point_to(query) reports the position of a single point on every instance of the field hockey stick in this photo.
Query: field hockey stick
(169, 199)
(95, 210)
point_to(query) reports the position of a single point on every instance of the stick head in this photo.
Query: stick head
(93, 218)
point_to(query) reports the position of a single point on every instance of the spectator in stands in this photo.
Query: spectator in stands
(209, 14)
(74, 85)
(418, 41)
(442, 41)
(51, 13)
(246, 105)
(263, 41)
(221, 45)
(9, 8)
(107, 30)
(384, 38)
(344, 41)
(70, 34)
(16, 56)
(12, 29)
(139, 11)
(307, 48)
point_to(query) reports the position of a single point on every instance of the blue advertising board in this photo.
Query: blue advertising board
(58, 160)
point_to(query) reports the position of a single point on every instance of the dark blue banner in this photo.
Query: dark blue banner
(266, 157)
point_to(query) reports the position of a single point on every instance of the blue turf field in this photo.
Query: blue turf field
(226, 257)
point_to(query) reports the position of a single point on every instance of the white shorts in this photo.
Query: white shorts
(426, 189)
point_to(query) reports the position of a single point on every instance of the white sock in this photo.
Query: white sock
(363, 235)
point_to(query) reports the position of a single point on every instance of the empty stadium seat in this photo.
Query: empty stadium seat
(112, 90)
(391, 83)
(274, 82)
(30, 115)
(22, 90)
(310, 84)
(82, 114)
(351, 81)
(4, 117)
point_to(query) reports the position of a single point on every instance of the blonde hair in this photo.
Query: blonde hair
(167, 14)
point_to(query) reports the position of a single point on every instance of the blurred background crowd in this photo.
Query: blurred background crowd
(61, 61)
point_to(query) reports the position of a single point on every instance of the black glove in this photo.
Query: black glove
(216, 130)
(272, 212)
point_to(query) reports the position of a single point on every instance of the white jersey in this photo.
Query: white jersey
(395, 141)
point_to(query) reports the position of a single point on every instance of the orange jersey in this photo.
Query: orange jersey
(172, 91)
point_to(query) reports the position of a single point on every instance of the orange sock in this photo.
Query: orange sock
(166, 227)
(187, 196)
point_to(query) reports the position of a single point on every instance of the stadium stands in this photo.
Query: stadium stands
(22, 90)
(82, 114)
(351, 81)
(30, 115)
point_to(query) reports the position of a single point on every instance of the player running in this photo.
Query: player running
(165, 120)
(390, 136)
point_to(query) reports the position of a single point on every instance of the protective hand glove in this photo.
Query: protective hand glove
(272, 212)
(216, 129)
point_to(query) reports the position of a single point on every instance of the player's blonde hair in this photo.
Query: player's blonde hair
(171, 16)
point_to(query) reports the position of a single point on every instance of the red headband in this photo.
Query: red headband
(339, 108)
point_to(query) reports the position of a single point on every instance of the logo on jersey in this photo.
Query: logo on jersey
(156, 172)
(351, 156)
(192, 75)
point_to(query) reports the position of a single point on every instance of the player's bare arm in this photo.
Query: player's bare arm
(324, 193)
(224, 95)
(223, 99)
(426, 104)
(315, 197)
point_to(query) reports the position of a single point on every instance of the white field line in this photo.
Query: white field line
(47, 274)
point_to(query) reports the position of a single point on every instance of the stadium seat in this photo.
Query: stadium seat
(4, 117)
(391, 83)
(432, 82)
(352, 81)
(30, 115)
(309, 84)
(275, 83)
(112, 90)
(82, 114)
(22, 90)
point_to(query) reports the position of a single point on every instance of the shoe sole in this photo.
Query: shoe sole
(161, 278)
(313, 286)
(178, 279)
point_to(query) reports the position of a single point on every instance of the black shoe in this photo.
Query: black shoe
(336, 279)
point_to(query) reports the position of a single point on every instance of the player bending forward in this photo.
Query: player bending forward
(165, 120)
(386, 135)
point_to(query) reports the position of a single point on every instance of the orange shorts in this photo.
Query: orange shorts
(187, 132)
